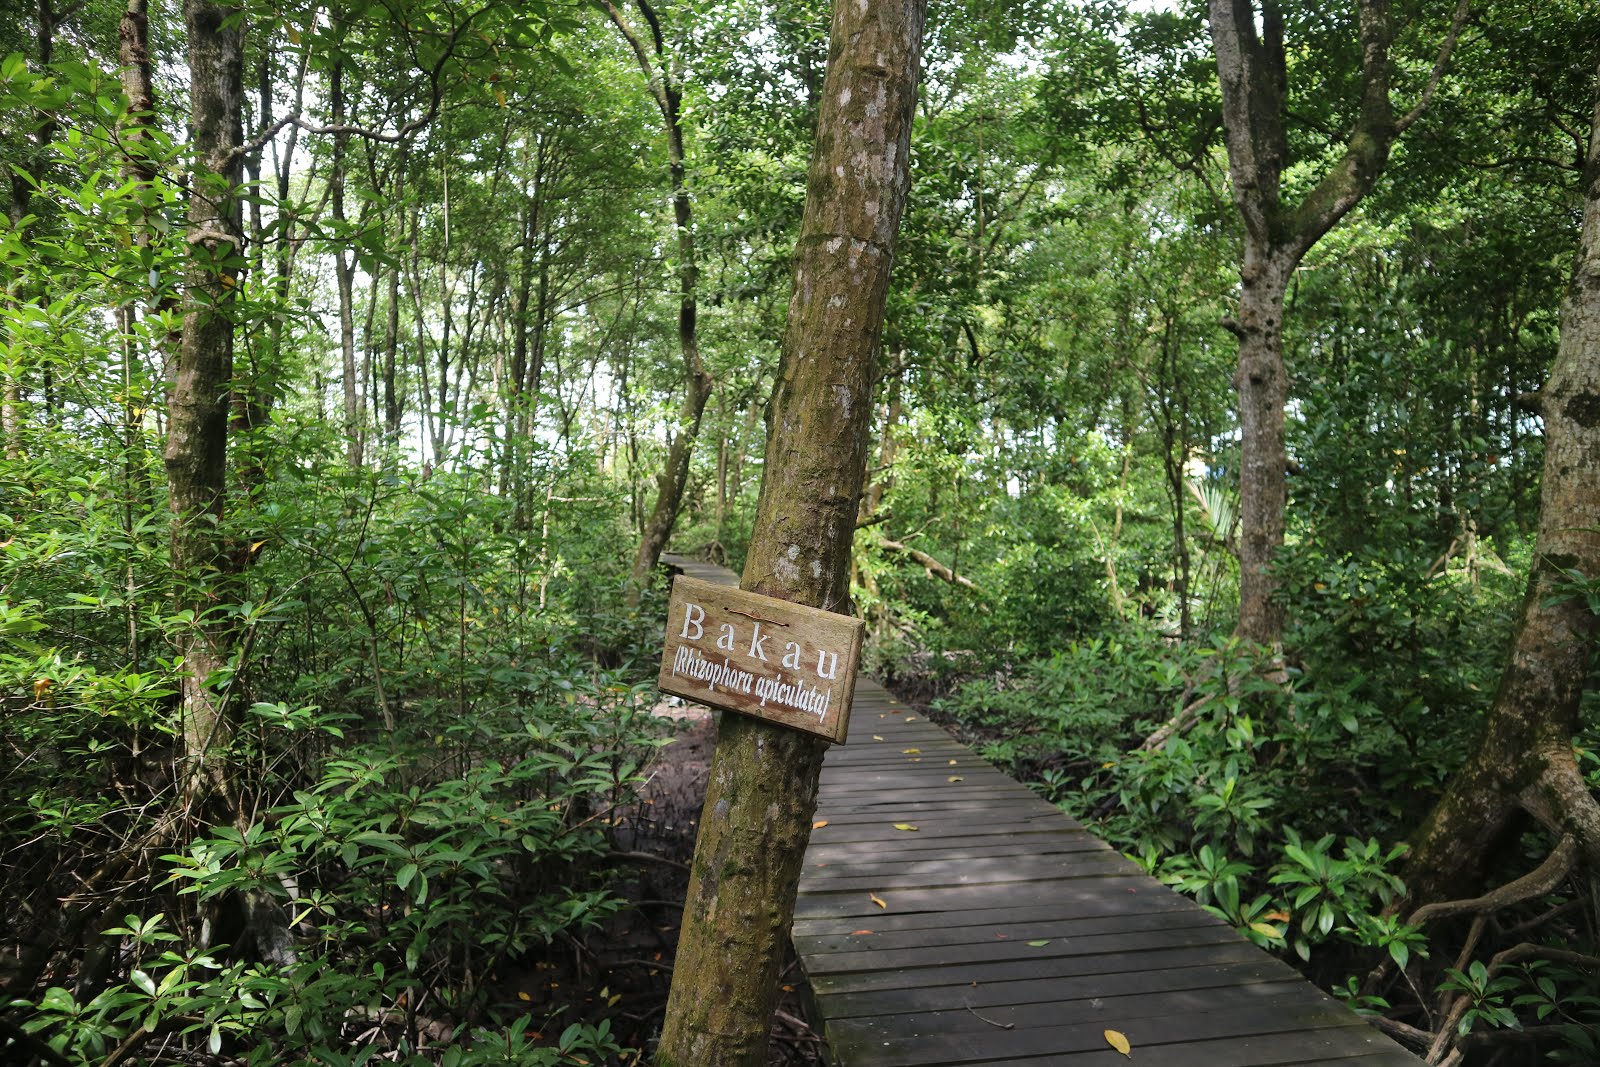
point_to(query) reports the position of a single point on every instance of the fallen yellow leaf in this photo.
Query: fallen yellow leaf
(523, 996)
(912, 751)
(876, 899)
(904, 826)
(819, 824)
(875, 737)
(956, 778)
(1119, 1041)
(952, 763)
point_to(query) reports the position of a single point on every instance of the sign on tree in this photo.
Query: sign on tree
(761, 656)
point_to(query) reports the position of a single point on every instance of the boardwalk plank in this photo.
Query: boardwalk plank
(868, 956)
(893, 1046)
(1038, 967)
(938, 873)
(816, 944)
(1088, 988)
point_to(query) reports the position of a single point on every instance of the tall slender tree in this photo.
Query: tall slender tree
(661, 73)
(197, 436)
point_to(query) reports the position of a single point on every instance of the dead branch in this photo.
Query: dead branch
(991, 1022)
(1175, 725)
(1404, 1033)
(934, 568)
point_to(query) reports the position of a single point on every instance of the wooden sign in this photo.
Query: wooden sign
(761, 656)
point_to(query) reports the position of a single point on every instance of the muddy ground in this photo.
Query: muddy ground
(623, 972)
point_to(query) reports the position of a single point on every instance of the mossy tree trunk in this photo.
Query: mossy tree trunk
(763, 784)
(1524, 761)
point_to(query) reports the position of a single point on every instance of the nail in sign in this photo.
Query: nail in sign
(757, 655)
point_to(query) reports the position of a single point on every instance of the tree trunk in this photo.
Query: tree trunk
(391, 345)
(344, 276)
(763, 780)
(1524, 761)
(1262, 382)
(664, 88)
(133, 53)
(197, 438)
(1252, 73)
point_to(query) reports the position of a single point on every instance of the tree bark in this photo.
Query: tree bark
(344, 278)
(133, 53)
(763, 780)
(1524, 761)
(1252, 73)
(197, 438)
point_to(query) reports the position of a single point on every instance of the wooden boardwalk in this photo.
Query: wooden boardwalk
(999, 931)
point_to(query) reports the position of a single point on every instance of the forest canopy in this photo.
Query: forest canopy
(1231, 480)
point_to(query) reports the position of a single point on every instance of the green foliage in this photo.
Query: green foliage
(404, 864)
(1058, 720)
(1242, 806)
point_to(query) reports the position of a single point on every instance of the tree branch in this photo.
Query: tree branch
(652, 74)
(934, 568)
(1536, 883)
(1437, 73)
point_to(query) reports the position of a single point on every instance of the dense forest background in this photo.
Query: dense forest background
(355, 367)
